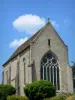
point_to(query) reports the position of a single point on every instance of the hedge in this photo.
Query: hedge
(6, 90)
(39, 90)
(14, 97)
(59, 97)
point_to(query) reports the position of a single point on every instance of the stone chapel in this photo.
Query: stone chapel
(43, 56)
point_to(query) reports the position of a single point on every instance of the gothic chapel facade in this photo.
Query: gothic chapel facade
(43, 56)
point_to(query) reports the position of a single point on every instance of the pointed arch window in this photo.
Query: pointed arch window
(9, 74)
(6, 77)
(17, 85)
(24, 64)
(50, 69)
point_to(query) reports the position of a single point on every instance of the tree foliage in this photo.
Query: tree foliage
(6, 90)
(39, 90)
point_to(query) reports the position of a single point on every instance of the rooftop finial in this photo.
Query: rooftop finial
(48, 19)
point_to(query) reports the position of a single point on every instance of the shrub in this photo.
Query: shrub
(59, 97)
(39, 90)
(72, 97)
(14, 97)
(6, 90)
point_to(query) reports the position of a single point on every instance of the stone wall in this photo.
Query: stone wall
(40, 46)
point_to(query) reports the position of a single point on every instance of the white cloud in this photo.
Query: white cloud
(28, 23)
(16, 42)
(53, 22)
(67, 21)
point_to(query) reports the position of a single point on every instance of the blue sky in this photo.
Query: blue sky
(13, 31)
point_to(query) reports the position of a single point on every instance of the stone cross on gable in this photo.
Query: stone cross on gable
(48, 19)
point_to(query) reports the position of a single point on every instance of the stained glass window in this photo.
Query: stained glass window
(50, 69)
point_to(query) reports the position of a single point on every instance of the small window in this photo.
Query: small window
(48, 42)
(24, 64)
(6, 77)
(10, 72)
(23, 59)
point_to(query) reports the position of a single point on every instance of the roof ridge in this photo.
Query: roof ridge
(26, 44)
(57, 33)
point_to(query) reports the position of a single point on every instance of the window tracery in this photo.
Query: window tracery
(50, 69)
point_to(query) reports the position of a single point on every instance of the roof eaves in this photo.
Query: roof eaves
(13, 57)
(28, 41)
